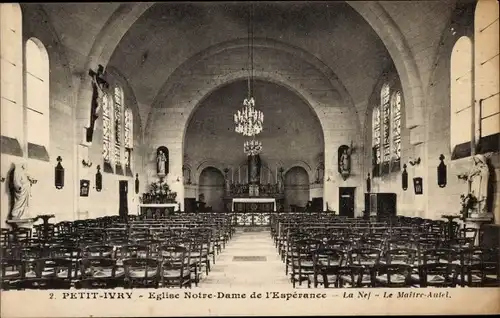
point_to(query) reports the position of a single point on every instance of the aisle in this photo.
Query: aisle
(249, 260)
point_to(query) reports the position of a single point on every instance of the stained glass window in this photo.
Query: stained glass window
(376, 133)
(386, 129)
(107, 127)
(396, 125)
(129, 139)
(118, 94)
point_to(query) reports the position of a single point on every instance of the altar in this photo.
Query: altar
(156, 210)
(253, 205)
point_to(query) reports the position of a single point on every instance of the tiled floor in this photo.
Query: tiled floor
(257, 263)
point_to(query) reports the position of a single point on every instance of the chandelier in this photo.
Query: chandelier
(248, 121)
(252, 147)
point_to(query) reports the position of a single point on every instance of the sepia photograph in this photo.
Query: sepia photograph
(249, 158)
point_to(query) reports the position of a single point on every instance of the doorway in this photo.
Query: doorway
(346, 201)
(123, 208)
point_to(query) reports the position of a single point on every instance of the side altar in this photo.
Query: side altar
(159, 201)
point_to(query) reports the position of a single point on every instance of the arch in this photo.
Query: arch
(11, 75)
(376, 16)
(397, 46)
(213, 189)
(297, 181)
(237, 76)
(486, 65)
(461, 95)
(205, 163)
(129, 93)
(37, 79)
(299, 53)
(302, 164)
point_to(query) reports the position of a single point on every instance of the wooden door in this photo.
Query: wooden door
(346, 201)
(123, 208)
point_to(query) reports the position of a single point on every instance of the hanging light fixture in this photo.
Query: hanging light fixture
(249, 121)
(252, 147)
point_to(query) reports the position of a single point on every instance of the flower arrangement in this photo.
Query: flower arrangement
(159, 192)
(468, 202)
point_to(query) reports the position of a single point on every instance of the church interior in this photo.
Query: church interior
(323, 144)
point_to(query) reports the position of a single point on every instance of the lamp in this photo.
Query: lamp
(368, 184)
(441, 173)
(414, 161)
(248, 121)
(404, 178)
(85, 156)
(136, 183)
(59, 174)
(98, 179)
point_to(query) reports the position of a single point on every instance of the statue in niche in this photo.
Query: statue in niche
(477, 178)
(344, 161)
(162, 161)
(21, 192)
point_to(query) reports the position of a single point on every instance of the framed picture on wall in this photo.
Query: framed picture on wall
(84, 188)
(418, 185)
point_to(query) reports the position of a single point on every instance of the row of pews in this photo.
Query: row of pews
(109, 252)
(324, 250)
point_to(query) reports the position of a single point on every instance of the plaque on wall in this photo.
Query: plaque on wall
(84, 188)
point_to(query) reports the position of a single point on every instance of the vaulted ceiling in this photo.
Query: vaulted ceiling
(165, 35)
(168, 34)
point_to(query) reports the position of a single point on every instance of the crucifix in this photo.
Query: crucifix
(99, 84)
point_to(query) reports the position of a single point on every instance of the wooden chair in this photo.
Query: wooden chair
(365, 258)
(391, 275)
(48, 273)
(99, 273)
(12, 273)
(405, 256)
(437, 275)
(141, 273)
(175, 266)
(302, 261)
(326, 263)
(484, 274)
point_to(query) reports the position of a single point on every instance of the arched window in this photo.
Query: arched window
(37, 94)
(107, 129)
(11, 73)
(474, 92)
(486, 77)
(396, 128)
(376, 134)
(386, 123)
(461, 92)
(129, 139)
(118, 110)
(386, 132)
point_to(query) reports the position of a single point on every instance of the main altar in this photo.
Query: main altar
(253, 203)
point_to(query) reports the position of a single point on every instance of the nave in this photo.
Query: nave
(297, 250)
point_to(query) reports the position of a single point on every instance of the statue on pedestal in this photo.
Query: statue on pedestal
(227, 182)
(281, 181)
(21, 191)
(477, 178)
